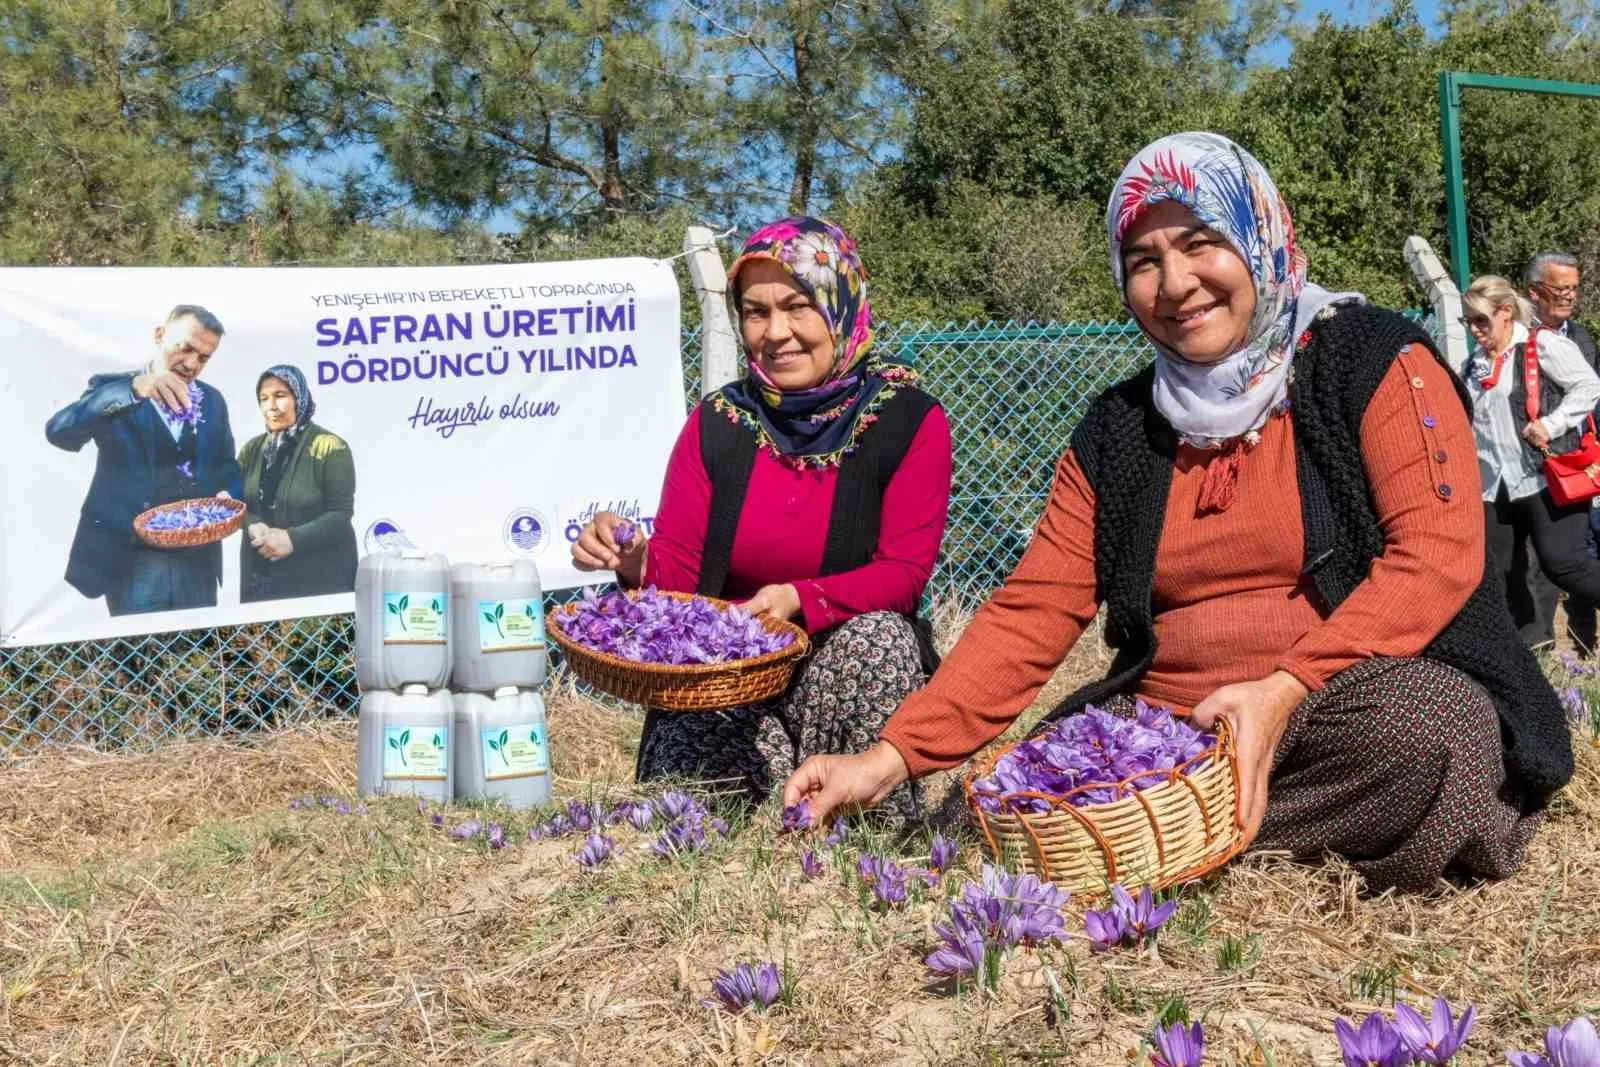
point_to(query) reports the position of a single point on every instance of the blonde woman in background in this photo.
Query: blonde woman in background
(1516, 503)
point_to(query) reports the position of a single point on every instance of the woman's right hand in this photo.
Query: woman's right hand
(596, 549)
(834, 783)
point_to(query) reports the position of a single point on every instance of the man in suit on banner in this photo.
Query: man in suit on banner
(160, 435)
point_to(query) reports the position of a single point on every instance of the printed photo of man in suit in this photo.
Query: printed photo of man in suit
(160, 435)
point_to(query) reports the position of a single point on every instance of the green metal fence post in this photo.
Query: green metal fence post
(1455, 203)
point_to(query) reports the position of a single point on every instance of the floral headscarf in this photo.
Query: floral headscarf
(1213, 405)
(821, 425)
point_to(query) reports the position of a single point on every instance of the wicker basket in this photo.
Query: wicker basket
(200, 535)
(1171, 832)
(684, 687)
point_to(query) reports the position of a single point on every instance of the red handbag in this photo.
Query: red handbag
(1572, 477)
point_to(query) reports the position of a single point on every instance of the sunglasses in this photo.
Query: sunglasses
(1480, 321)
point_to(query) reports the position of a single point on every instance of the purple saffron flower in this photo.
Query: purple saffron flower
(797, 817)
(963, 950)
(437, 820)
(1436, 1039)
(746, 986)
(923, 875)
(942, 854)
(810, 865)
(1142, 917)
(720, 826)
(1573, 1045)
(535, 833)
(1104, 928)
(595, 851)
(470, 828)
(558, 826)
(581, 815)
(674, 804)
(835, 836)
(623, 534)
(649, 627)
(422, 807)
(342, 808)
(683, 836)
(496, 835)
(1375, 1044)
(641, 817)
(186, 468)
(1179, 1046)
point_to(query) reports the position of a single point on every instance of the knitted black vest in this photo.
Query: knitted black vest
(729, 453)
(1127, 452)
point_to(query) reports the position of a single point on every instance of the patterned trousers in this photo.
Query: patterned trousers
(1395, 764)
(840, 697)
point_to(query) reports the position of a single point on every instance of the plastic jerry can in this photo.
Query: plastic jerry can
(497, 626)
(502, 747)
(403, 620)
(403, 744)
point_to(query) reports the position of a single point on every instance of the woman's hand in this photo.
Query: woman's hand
(1535, 434)
(596, 549)
(256, 530)
(273, 545)
(1257, 712)
(782, 601)
(831, 783)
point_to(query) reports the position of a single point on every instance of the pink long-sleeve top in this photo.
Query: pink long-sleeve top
(784, 524)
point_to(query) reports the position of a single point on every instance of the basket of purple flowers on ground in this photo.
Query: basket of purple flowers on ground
(675, 651)
(188, 523)
(1100, 799)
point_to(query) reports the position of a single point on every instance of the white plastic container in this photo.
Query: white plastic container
(502, 747)
(402, 620)
(403, 744)
(497, 628)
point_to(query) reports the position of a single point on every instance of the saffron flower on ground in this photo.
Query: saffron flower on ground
(641, 817)
(835, 836)
(1574, 1045)
(595, 851)
(747, 986)
(496, 835)
(810, 865)
(1437, 1038)
(1374, 1044)
(797, 817)
(990, 918)
(1178, 1046)
(942, 854)
(470, 828)
(1129, 921)
(963, 951)
(886, 879)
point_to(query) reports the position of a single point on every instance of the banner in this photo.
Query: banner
(484, 412)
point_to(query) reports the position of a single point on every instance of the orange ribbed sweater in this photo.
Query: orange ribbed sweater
(1229, 601)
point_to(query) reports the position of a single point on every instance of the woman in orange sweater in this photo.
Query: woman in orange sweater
(1281, 518)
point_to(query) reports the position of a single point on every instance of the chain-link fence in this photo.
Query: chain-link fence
(1012, 393)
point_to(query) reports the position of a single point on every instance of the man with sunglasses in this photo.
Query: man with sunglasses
(1553, 287)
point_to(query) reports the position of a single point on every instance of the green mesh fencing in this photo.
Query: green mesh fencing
(1012, 393)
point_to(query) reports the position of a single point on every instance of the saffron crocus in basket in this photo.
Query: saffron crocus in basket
(1574, 1045)
(1178, 1046)
(747, 986)
(651, 628)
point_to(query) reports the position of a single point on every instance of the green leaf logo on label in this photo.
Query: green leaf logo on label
(437, 743)
(500, 610)
(436, 607)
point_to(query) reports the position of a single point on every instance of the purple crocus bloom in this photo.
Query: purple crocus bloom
(1375, 1044)
(496, 835)
(581, 814)
(675, 803)
(437, 819)
(747, 986)
(470, 828)
(535, 833)
(558, 826)
(835, 836)
(942, 854)
(342, 808)
(1104, 928)
(797, 817)
(720, 826)
(889, 889)
(1142, 917)
(810, 865)
(641, 817)
(962, 947)
(1179, 1046)
(681, 837)
(1436, 1039)
(422, 807)
(186, 468)
(623, 534)
(595, 851)
(1574, 1045)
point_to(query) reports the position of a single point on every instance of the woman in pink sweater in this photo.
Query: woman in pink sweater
(814, 488)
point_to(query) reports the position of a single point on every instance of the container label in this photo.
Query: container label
(510, 625)
(415, 618)
(417, 754)
(515, 752)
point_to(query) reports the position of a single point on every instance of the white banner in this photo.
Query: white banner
(484, 412)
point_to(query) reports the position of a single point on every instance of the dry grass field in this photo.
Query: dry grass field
(171, 907)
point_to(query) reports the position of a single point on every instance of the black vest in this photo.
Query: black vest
(171, 483)
(1550, 396)
(1127, 451)
(728, 451)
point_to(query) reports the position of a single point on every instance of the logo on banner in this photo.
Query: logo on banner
(385, 535)
(525, 531)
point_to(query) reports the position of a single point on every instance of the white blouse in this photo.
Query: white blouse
(1503, 457)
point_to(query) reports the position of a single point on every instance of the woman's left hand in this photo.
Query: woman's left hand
(1257, 712)
(782, 601)
(273, 545)
(1535, 434)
